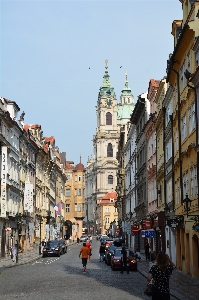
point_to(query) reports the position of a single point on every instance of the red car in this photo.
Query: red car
(116, 260)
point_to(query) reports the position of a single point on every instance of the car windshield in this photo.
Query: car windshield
(118, 252)
(52, 244)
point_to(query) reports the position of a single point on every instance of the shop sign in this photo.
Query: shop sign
(3, 181)
(175, 222)
(148, 224)
(196, 226)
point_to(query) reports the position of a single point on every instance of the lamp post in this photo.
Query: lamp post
(18, 218)
(187, 204)
(40, 219)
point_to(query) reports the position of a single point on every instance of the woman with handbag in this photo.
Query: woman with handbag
(160, 273)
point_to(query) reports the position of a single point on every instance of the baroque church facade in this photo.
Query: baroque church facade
(102, 167)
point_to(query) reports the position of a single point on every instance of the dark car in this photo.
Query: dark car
(116, 260)
(64, 247)
(110, 251)
(52, 248)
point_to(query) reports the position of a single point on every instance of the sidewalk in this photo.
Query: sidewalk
(23, 258)
(182, 286)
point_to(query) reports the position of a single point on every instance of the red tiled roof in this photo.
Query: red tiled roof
(50, 139)
(110, 195)
(68, 166)
(79, 167)
(31, 126)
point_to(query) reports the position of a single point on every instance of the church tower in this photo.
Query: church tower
(106, 139)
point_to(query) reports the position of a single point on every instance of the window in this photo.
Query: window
(168, 150)
(67, 193)
(115, 211)
(107, 220)
(79, 192)
(191, 113)
(110, 179)
(107, 209)
(177, 192)
(67, 177)
(169, 191)
(79, 178)
(110, 150)
(185, 184)
(79, 207)
(184, 127)
(194, 184)
(108, 118)
(67, 207)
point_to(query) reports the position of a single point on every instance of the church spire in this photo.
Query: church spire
(106, 88)
(126, 90)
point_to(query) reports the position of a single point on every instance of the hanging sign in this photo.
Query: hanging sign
(196, 226)
(148, 233)
(148, 224)
(28, 197)
(3, 181)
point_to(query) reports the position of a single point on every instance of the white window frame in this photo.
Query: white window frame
(191, 114)
(184, 127)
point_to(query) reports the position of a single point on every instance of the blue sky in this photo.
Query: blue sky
(47, 48)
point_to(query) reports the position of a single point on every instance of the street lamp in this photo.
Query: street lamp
(187, 204)
(40, 219)
(18, 219)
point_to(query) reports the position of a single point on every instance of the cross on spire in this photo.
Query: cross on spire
(106, 62)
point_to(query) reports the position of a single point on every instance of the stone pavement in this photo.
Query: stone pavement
(182, 286)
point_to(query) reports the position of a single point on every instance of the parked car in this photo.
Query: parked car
(116, 260)
(64, 246)
(110, 252)
(98, 236)
(83, 238)
(52, 248)
(103, 236)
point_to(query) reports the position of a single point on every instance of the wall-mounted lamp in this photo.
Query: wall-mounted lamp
(187, 205)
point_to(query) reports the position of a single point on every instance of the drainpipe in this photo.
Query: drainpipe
(173, 178)
(164, 111)
(179, 131)
(196, 115)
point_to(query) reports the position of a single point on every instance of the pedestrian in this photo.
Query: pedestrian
(137, 254)
(160, 273)
(147, 251)
(102, 251)
(88, 245)
(84, 251)
(91, 239)
(14, 253)
(43, 244)
(124, 263)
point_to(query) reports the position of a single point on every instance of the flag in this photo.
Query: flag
(57, 208)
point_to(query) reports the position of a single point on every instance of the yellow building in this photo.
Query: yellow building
(108, 212)
(75, 209)
(181, 63)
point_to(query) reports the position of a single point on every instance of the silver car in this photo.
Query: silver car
(83, 238)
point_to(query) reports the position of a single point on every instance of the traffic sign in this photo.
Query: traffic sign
(135, 229)
(149, 233)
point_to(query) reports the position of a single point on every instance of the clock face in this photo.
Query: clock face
(109, 102)
(108, 92)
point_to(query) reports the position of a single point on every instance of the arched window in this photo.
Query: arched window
(110, 150)
(110, 179)
(108, 118)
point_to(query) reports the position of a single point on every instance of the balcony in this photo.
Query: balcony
(79, 214)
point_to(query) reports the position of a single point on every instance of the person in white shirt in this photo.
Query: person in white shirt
(137, 254)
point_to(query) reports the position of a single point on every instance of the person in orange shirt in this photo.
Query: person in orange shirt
(88, 245)
(84, 251)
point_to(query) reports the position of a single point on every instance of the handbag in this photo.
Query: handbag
(149, 289)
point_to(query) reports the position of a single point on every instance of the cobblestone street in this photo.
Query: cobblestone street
(62, 278)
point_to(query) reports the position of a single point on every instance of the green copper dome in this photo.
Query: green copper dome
(126, 90)
(106, 88)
